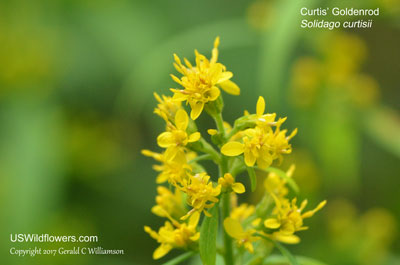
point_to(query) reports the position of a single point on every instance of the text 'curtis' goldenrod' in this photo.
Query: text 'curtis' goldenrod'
(194, 198)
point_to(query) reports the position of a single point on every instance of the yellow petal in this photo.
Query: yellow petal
(158, 210)
(233, 228)
(232, 149)
(238, 188)
(272, 223)
(264, 161)
(194, 137)
(151, 232)
(161, 251)
(214, 93)
(194, 219)
(197, 108)
(181, 120)
(178, 95)
(260, 106)
(165, 139)
(312, 212)
(224, 77)
(176, 79)
(212, 131)
(249, 247)
(195, 237)
(249, 158)
(230, 87)
(288, 239)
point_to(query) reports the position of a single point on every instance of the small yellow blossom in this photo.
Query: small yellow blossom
(171, 170)
(176, 137)
(202, 82)
(276, 185)
(261, 146)
(167, 107)
(242, 212)
(261, 119)
(169, 204)
(175, 236)
(228, 182)
(243, 237)
(289, 219)
(201, 194)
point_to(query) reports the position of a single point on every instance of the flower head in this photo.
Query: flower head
(242, 212)
(243, 237)
(171, 170)
(174, 235)
(169, 204)
(201, 194)
(176, 137)
(167, 107)
(261, 146)
(289, 219)
(277, 185)
(202, 82)
(228, 182)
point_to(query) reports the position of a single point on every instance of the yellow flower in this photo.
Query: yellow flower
(276, 185)
(171, 170)
(176, 137)
(261, 119)
(200, 192)
(174, 236)
(243, 237)
(261, 146)
(228, 182)
(167, 107)
(201, 82)
(169, 204)
(289, 219)
(242, 212)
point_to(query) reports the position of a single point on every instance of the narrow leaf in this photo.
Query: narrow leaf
(285, 252)
(180, 258)
(208, 237)
(253, 178)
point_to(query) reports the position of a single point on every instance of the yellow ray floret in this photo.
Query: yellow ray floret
(167, 107)
(176, 136)
(228, 182)
(243, 237)
(202, 82)
(289, 219)
(201, 194)
(175, 235)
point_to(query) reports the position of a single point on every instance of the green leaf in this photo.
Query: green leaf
(253, 178)
(208, 237)
(285, 252)
(180, 258)
(283, 175)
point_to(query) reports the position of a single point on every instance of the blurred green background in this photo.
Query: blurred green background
(76, 85)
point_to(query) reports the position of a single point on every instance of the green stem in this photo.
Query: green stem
(220, 123)
(200, 158)
(207, 148)
(228, 254)
(232, 132)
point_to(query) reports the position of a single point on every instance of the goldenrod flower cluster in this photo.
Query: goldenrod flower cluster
(255, 143)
